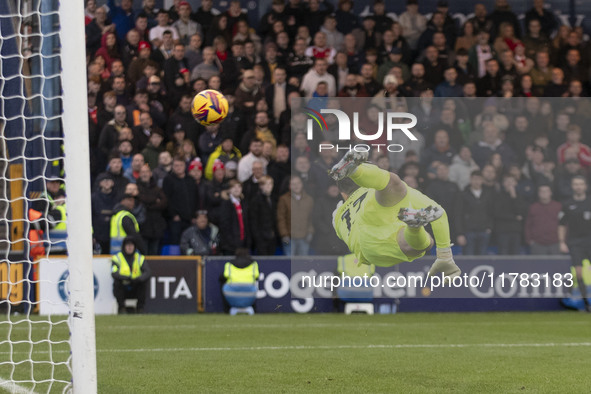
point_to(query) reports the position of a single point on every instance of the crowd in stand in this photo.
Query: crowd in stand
(497, 166)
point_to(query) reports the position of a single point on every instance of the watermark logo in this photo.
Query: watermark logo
(393, 122)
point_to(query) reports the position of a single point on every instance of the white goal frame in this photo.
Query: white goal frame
(77, 180)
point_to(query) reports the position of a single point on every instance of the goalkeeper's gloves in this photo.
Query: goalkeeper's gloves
(445, 263)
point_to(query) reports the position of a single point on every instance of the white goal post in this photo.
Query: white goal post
(44, 139)
(77, 180)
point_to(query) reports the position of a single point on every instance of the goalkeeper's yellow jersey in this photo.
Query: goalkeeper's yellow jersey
(370, 230)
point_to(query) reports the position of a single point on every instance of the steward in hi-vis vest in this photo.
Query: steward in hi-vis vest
(130, 273)
(123, 223)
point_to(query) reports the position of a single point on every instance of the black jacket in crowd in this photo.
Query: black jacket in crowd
(473, 214)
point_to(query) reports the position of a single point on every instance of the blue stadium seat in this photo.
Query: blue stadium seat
(171, 250)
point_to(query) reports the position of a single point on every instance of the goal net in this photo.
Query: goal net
(44, 198)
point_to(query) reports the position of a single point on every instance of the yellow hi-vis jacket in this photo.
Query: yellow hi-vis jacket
(235, 275)
(119, 264)
(118, 234)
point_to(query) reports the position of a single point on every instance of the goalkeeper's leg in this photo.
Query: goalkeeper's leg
(415, 237)
(390, 189)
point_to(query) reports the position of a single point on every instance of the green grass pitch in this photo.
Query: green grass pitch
(413, 352)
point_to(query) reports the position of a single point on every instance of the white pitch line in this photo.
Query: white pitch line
(322, 347)
(14, 388)
(353, 326)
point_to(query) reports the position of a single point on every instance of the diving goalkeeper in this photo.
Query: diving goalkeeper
(382, 219)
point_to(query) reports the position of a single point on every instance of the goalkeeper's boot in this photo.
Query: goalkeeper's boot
(445, 263)
(419, 217)
(348, 164)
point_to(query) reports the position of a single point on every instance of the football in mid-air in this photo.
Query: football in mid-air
(209, 107)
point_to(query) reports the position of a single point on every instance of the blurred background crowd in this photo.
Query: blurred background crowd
(501, 101)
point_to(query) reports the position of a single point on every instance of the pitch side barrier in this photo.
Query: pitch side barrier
(308, 284)
(189, 284)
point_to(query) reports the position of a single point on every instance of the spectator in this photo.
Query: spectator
(489, 177)
(176, 75)
(124, 224)
(413, 23)
(480, 20)
(346, 19)
(279, 169)
(474, 220)
(298, 63)
(141, 26)
(204, 16)
(136, 67)
(417, 82)
(245, 163)
(114, 169)
(262, 219)
(334, 38)
(520, 136)
(180, 192)
(202, 238)
(325, 240)
(193, 51)
(541, 224)
(570, 169)
(130, 48)
(103, 201)
(295, 236)
(440, 152)
(182, 118)
(133, 172)
(96, 29)
(509, 212)
(556, 87)
(250, 187)
(153, 149)
(449, 87)
(184, 25)
(261, 131)
(503, 14)
(208, 68)
(543, 16)
(248, 93)
(541, 74)
(468, 38)
(155, 201)
(491, 143)
(444, 191)
(434, 66)
(164, 167)
(224, 152)
(480, 53)
(234, 228)
(209, 141)
(573, 148)
(276, 94)
(490, 83)
(122, 16)
(139, 210)
(130, 273)
(318, 74)
(163, 52)
(157, 32)
(535, 40)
